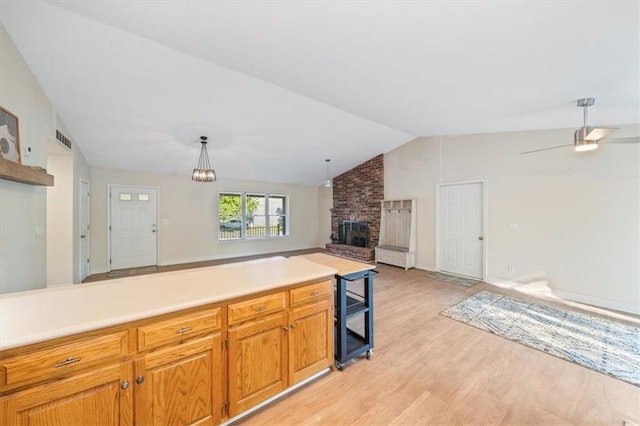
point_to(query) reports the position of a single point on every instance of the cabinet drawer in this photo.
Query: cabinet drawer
(61, 359)
(178, 328)
(242, 311)
(310, 293)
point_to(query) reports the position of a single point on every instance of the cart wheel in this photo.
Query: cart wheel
(339, 366)
(369, 353)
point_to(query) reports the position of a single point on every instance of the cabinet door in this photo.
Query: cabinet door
(257, 361)
(310, 340)
(180, 384)
(101, 396)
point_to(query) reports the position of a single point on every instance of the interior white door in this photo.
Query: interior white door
(133, 231)
(461, 242)
(85, 266)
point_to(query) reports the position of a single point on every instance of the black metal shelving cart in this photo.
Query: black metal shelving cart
(349, 304)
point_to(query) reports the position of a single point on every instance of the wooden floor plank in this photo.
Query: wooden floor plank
(430, 369)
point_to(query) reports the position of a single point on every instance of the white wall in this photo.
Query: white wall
(23, 207)
(577, 214)
(188, 215)
(59, 216)
(325, 204)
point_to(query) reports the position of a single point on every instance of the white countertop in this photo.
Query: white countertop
(38, 315)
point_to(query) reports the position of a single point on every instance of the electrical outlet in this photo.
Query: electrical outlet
(27, 151)
(511, 269)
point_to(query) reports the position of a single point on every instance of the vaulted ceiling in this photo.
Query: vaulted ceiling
(278, 87)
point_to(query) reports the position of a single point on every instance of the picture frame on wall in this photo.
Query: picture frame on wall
(9, 137)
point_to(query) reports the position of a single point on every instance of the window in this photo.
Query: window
(247, 215)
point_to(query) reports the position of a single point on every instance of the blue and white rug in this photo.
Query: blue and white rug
(606, 346)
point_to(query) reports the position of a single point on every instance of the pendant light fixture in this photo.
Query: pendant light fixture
(203, 172)
(327, 182)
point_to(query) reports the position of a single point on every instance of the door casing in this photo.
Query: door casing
(485, 232)
(132, 188)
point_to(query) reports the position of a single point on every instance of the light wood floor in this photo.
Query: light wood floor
(429, 369)
(166, 268)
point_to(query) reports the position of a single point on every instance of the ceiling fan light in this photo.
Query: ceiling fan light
(589, 146)
(581, 144)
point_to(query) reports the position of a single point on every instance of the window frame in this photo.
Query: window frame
(244, 216)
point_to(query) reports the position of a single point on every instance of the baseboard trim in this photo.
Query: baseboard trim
(597, 301)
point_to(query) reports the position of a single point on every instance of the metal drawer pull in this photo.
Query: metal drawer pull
(260, 308)
(68, 361)
(314, 293)
(183, 330)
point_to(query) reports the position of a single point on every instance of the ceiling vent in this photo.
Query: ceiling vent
(63, 139)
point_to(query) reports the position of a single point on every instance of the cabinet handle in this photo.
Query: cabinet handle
(293, 326)
(124, 384)
(314, 293)
(139, 380)
(68, 361)
(183, 330)
(260, 308)
(285, 328)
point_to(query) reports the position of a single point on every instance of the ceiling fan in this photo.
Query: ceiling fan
(587, 138)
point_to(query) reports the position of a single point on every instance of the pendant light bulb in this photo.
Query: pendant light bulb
(327, 182)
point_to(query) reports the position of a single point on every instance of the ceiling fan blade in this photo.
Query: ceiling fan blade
(597, 133)
(635, 139)
(545, 149)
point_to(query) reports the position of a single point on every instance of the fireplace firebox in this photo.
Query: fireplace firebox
(353, 233)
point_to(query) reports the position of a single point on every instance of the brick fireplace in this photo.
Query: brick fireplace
(356, 207)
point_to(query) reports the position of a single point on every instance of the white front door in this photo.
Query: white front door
(133, 230)
(461, 239)
(85, 268)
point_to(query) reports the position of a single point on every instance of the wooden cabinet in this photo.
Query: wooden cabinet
(199, 366)
(179, 328)
(180, 384)
(397, 242)
(180, 380)
(63, 359)
(310, 340)
(269, 352)
(257, 361)
(103, 395)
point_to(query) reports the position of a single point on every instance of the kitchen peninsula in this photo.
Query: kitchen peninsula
(195, 346)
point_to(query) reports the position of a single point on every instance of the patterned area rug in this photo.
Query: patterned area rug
(606, 346)
(453, 279)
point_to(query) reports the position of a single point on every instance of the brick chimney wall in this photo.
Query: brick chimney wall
(357, 195)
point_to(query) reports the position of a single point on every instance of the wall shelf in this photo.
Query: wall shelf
(24, 174)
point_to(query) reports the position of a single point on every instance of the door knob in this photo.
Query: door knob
(481, 238)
